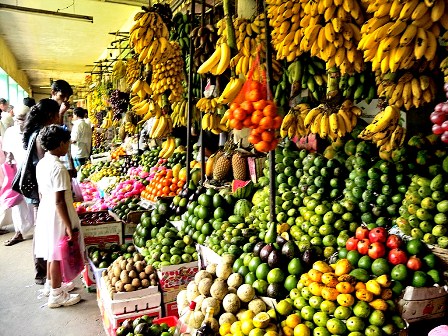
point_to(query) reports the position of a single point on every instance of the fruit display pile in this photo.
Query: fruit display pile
(144, 325)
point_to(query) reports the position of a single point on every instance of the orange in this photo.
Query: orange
(236, 124)
(253, 95)
(260, 104)
(267, 136)
(254, 139)
(277, 122)
(262, 146)
(247, 122)
(239, 114)
(234, 106)
(247, 106)
(270, 111)
(266, 123)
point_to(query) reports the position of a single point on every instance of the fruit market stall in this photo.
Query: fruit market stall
(324, 212)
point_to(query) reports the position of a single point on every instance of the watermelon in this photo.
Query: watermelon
(242, 189)
(242, 208)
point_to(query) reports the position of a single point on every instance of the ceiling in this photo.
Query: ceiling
(48, 47)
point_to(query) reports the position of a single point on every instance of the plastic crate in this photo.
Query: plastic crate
(171, 321)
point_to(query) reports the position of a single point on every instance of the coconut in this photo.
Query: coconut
(223, 271)
(227, 318)
(219, 289)
(201, 275)
(211, 268)
(246, 293)
(196, 319)
(211, 302)
(228, 258)
(231, 303)
(204, 286)
(235, 280)
(257, 306)
(192, 291)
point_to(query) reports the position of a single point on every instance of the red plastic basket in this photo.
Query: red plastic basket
(171, 321)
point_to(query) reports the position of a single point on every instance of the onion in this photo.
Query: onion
(437, 129)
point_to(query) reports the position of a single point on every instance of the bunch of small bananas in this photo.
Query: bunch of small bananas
(168, 147)
(204, 39)
(163, 126)
(332, 121)
(212, 122)
(359, 86)
(444, 68)
(169, 75)
(141, 89)
(149, 38)
(308, 73)
(148, 108)
(118, 69)
(407, 91)
(231, 90)
(284, 18)
(107, 120)
(293, 122)
(180, 112)
(402, 32)
(132, 71)
(384, 130)
(207, 105)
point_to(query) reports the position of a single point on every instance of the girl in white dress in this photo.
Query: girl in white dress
(56, 216)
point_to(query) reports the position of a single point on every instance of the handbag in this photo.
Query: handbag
(25, 181)
(72, 260)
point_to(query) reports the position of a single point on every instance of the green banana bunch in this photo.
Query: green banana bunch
(282, 91)
(181, 30)
(359, 86)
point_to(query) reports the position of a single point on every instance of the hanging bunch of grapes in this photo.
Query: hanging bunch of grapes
(119, 101)
(439, 118)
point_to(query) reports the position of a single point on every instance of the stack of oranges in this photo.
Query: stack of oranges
(163, 184)
(257, 113)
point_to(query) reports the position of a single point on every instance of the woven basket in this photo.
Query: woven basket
(441, 254)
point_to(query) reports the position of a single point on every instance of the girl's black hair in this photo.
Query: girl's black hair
(39, 115)
(62, 86)
(51, 136)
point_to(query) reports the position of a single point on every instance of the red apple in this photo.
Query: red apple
(414, 263)
(351, 244)
(393, 241)
(361, 233)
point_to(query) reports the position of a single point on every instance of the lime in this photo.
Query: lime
(262, 271)
(419, 279)
(275, 275)
(290, 282)
(415, 246)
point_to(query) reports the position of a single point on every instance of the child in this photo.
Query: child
(56, 216)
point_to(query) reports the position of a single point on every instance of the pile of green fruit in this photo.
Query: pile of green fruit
(104, 256)
(168, 247)
(127, 205)
(149, 158)
(144, 326)
(177, 157)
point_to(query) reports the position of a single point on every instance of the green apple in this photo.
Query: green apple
(315, 301)
(373, 330)
(336, 326)
(439, 230)
(429, 238)
(442, 242)
(300, 302)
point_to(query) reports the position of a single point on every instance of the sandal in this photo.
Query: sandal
(3, 231)
(14, 240)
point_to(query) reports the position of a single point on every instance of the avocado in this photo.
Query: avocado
(289, 250)
(274, 290)
(280, 240)
(265, 251)
(257, 248)
(274, 259)
(142, 328)
(309, 257)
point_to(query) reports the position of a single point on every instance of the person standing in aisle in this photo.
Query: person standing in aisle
(45, 112)
(29, 101)
(56, 216)
(15, 155)
(6, 118)
(81, 136)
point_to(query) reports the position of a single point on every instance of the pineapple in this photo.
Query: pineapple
(239, 166)
(222, 167)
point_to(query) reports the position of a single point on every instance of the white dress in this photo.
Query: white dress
(52, 176)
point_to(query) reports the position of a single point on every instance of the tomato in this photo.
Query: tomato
(414, 263)
(361, 233)
(351, 244)
(397, 256)
(393, 242)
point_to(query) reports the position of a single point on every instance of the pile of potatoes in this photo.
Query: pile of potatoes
(127, 275)
(218, 287)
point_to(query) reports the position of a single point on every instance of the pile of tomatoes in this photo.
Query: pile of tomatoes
(257, 113)
(163, 184)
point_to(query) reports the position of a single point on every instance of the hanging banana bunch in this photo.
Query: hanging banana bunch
(132, 71)
(407, 90)
(208, 105)
(118, 69)
(231, 90)
(168, 147)
(108, 120)
(384, 130)
(332, 121)
(293, 122)
(403, 34)
(163, 126)
(140, 90)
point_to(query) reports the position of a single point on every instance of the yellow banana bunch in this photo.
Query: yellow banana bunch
(118, 69)
(107, 121)
(330, 30)
(141, 89)
(408, 91)
(444, 68)
(231, 90)
(132, 71)
(332, 122)
(168, 147)
(383, 125)
(149, 37)
(213, 122)
(293, 123)
(163, 126)
(179, 114)
(130, 128)
(401, 33)
(208, 105)
(284, 18)
(169, 75)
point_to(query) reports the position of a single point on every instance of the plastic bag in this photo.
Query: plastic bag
(72, 262)
(9, 197)
(76, 190)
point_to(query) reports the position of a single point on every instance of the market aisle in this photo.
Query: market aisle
(21, 311)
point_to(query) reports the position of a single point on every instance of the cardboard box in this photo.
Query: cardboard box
(88, 278)
(207, 256)
(174, 276)
(425, 303)
(112, 322)
(169, 300)
(100, 157)
(102, 233)
(129, 295)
